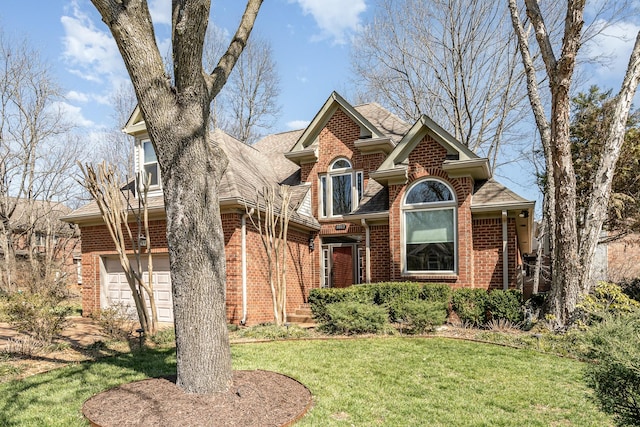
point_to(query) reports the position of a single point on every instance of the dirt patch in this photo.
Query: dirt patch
(257, 398)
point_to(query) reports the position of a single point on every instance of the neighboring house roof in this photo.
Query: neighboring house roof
(46, 215)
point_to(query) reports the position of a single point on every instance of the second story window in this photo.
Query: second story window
(150, 162)
(340, 189)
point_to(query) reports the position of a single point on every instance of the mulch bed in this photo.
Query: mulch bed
(256, 398)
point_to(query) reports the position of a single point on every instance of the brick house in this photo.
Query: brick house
(374, 199)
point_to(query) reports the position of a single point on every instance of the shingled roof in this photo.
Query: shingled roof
(248, 172)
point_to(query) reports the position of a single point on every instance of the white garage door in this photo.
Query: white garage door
(116, 288)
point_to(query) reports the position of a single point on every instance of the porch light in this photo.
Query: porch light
(142, 241)
(312, 244)
(524, 214)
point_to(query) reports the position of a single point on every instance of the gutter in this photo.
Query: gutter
(243, 257)
(505, 252)
(367, 256)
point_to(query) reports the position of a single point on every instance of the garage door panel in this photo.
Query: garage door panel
(118, 291)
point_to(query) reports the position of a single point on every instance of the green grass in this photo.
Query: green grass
(361, 382)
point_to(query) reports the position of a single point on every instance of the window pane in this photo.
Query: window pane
(428, 192)
(359, 185)
(341, 164)
(341, 194)
(152, 170)
(149, 152)
(430, 257)
(323, 194)
(432, 226)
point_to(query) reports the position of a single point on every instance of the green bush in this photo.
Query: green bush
(505, 305)
(388, 293)
(419, 316)
(354, 318)
(319, 299)
(41, 316)
(607, 299)
(470, 305)
(436, 292)
(615, 373)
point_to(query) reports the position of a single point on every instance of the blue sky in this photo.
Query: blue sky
(310, 40)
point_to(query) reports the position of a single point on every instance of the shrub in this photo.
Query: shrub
(116, 322)
(470, 305)
(319, 299)
(505, 305)
(615, 375)
(607, 299)
(420, 316)
(40, 316)
(163, 337)
(390, 292)
(436, 292)
(354, 318)
(632, 288)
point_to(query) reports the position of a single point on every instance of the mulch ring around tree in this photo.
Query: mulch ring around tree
(256, 398)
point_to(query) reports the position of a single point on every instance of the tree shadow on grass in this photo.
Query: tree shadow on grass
(55, 398)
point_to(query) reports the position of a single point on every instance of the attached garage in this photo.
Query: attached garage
(116, 291)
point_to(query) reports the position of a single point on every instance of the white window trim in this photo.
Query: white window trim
(452, 205)
(328, 190)
(140, 167)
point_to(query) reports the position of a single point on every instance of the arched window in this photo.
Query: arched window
(429, 224)
(340, 189)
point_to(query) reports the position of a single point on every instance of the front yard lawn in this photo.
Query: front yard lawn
(361, 382)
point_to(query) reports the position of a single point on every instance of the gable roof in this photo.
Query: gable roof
(463, 161)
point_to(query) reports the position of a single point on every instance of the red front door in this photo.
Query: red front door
(342, 268)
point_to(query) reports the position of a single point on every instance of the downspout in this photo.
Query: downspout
(243, 258)
(505, 252)
(367, 250)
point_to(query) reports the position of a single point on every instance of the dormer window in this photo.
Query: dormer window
(340, 189)
(150, 163)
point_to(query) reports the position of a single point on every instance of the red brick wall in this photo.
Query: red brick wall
(487, 246)
(301, 273)
(623, 256)
(380, 259)
(97, 242)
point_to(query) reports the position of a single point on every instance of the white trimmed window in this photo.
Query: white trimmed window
(429, 228)
(150, 163)
(340, 189)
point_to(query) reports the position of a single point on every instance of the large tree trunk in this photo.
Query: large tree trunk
(198, 272)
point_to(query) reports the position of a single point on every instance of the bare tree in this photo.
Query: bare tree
(117, 147)
(106, 188)
(176, 113)
(247, 105)
(272, 222)
(454, 60)
(32, 132)
(574, 249)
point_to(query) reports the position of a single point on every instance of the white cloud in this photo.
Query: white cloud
(335, 18)
(160, 11)
(297, 124)
(614, 44)
(74, 115)
(92, 52)
(77, 96)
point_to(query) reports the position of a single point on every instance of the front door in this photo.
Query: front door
(340, 265)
